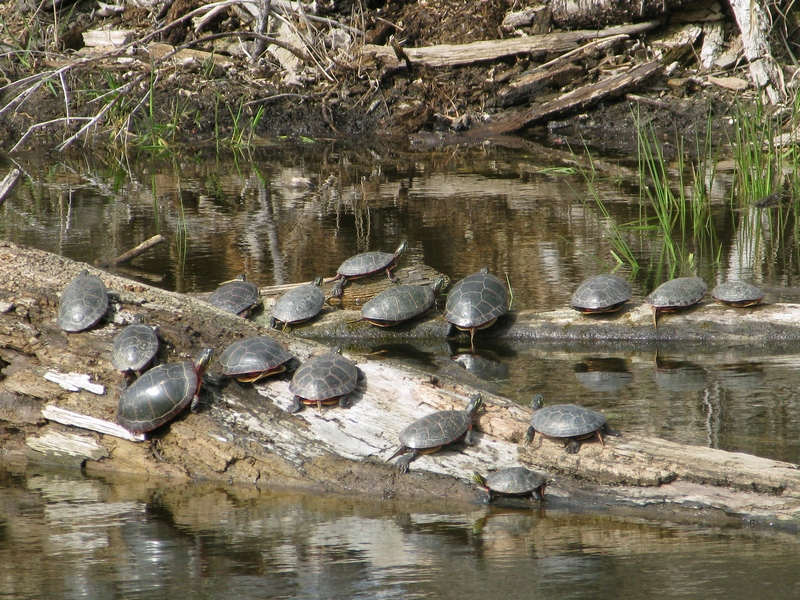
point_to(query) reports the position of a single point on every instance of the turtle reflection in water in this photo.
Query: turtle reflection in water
(567, 422)
(428, 434)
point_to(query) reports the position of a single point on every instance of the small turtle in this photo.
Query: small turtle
(83, 303)
(365, 264)
(514, 481)
(324, 379)
(475, 303)
(737, 293)
(601, 294)
(161, 394)
(676, 294)
(238, 296)
(135, 346)
(253, 358)
(567, 422)
(401, 303)
(433, 431)
(298, 305)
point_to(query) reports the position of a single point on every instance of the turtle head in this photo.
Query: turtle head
(401, 248)
(240, 277)
(479, 479)
(317, 282)
(475, 402)
(484, 270)
(438, 284)
(537, 402)
(203, 360)
(336, 350)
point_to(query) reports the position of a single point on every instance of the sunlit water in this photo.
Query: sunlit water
(65, 537)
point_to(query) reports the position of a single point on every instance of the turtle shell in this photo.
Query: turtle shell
(161, 394)
(601, 293)
(436, 429)
(476, 301)
(324, 377)
(514, 481)
(237, 297)
(134, 347)
(299, 304)
(83, 303)
(737, 293)
(252, 358)
(677, 293)
(401, 303)
(566, 421)
(368, 263)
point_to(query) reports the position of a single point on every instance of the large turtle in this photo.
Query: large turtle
(513, 481)
(676, 294)
(365, 264)
(401, 303)
(238, 296)
(298, 305)
(324, 379)
(433, 431)
(601, 294)
(567, 422)
(737, 293)
(161, 394)
(254, 358)
(475, 303)
(135, 346)
(83, 303)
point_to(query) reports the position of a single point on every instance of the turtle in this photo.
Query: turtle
(513, 481)
(135, 346)
(324, 379)
(365, 264)
(737, 293)
(238, 296)
(675, 294)
(83, 303)
(567, 422)
(298, 305)
(162, 393)
(401, 303)
(254, 358)
(475, 303)
(601, 294)
(433, 431)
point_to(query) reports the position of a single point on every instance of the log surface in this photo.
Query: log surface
(242, 433)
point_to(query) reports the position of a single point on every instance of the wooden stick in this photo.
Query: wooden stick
(133, 253)
(8, 183)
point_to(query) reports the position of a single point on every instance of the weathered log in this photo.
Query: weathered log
(594, 13)
(242, 433)
(8, 183)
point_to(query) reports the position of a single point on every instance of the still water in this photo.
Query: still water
(290, 215)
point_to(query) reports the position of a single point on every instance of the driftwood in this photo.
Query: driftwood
(134, 252)
(8, 183)
(241, 432)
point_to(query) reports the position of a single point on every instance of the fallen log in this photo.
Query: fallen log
(242, 433)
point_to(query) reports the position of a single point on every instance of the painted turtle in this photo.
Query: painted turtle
(238, 296)
(601, 294)
(433, 431)
(324, 379)
(298, 305)
(475, 303)
(676, 294)
(737, 293)
(514, 481)
(253, 358)
(161, 394)
(567, 422)
(83, 303)
(365, 264)
(401, 303)
(135, 346)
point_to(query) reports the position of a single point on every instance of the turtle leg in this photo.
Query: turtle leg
(572, 446)
(538, 493)
(392, 277)
(296, 405)
(338, 288)
(344, 402)
(273, 322)
(469, 438)
(403, 462)
(655, 317)
(609, 431)
(529, 436)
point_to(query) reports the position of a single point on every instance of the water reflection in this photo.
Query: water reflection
(603, 374)
(68, 537)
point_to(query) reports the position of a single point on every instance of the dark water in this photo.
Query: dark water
(524, 216)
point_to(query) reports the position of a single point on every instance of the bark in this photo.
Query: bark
(241, 432)
(598, 13)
